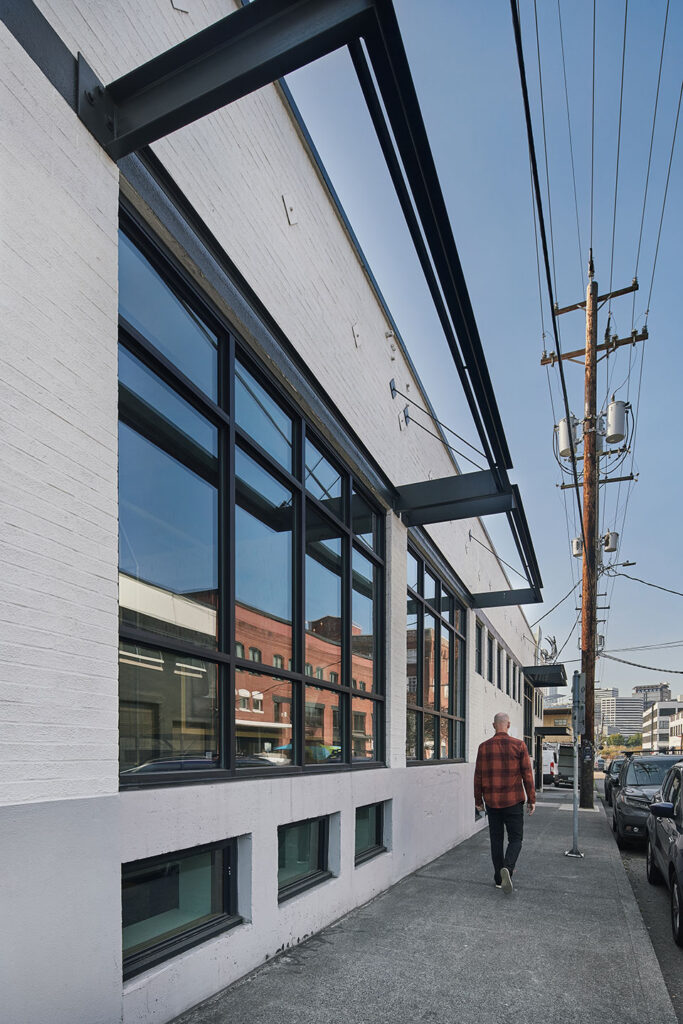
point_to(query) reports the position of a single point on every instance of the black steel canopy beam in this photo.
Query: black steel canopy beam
(392, 71)
(500, 598)
(454, 497)
(246, 50)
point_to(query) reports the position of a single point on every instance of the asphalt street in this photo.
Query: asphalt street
(653, 902)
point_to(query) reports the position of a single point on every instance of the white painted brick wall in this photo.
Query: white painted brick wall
(58, 538)
(58, 557)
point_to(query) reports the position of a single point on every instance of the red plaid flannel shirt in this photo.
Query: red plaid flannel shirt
(502, 766)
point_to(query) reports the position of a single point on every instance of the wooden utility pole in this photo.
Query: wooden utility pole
(590, 532)
(591, 485)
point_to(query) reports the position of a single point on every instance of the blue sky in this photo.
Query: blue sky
(463, 62)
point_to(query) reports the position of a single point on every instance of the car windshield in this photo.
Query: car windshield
(647, 773)
(614, 767)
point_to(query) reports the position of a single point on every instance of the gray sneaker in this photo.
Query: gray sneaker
(506, 881)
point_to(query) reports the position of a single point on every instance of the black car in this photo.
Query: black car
(640, 778)
(611, 774)
(664, 861)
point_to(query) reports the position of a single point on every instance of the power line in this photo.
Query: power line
(544, 242)
(593, 131)
(571, 146)
(556, 605)
(571, 633)
(613, 572)
(545, 148)
(649, 157)
(666, 190)
(616, 176)
(648, 668)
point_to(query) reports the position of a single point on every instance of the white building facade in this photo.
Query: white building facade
(656, 719)
(240, 697)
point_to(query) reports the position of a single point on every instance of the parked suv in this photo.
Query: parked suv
(611, 774)
(640, 778)
(665, 845)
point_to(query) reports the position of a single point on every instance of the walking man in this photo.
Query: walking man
(501, 776)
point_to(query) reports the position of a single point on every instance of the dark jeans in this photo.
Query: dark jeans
(512, 819)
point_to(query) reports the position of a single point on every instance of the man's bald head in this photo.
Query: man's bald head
(501, 722)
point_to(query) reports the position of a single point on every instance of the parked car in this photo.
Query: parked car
(640, 778)
(664, 858)
(611, 774)
(600, 763)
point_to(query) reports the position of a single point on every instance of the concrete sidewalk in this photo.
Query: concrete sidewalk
(445, 946)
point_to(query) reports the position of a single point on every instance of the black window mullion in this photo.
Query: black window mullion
(347, 615)
(299, 597)
(133, 635)
(227, 534)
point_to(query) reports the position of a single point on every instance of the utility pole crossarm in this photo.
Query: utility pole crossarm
(607, 346)
(607, 480)
(600, 299)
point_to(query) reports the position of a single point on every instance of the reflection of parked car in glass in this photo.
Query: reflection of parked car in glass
(190, 764)
(172, 764)
(639, 779)
(665, 845)
(611, 775)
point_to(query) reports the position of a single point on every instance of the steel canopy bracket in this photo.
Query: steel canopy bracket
(506, 598)
(94, 105)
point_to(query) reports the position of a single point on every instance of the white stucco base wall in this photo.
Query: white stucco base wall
(429, 809)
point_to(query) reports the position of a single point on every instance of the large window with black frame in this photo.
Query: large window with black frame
(250, 559)
(436, 667)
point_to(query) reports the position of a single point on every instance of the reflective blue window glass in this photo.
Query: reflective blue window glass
(323, 480)
(262, 418)
(363, 518)
(264, 524)
(168, 543)
(139, 379)
(165, 320)
(363, 622)
(324, 629)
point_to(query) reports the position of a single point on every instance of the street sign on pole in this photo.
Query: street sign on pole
(578, 726)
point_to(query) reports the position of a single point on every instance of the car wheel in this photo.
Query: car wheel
(654, 875)
(676, 912)
(621, 842)
(608, 797)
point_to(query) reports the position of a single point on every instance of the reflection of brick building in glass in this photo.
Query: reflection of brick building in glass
(427, 675)
(263, 704)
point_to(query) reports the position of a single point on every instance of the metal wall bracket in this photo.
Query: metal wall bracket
(94, 105)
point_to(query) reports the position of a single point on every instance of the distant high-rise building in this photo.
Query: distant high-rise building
(652, 692)
(602, 693)
(622, 714)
